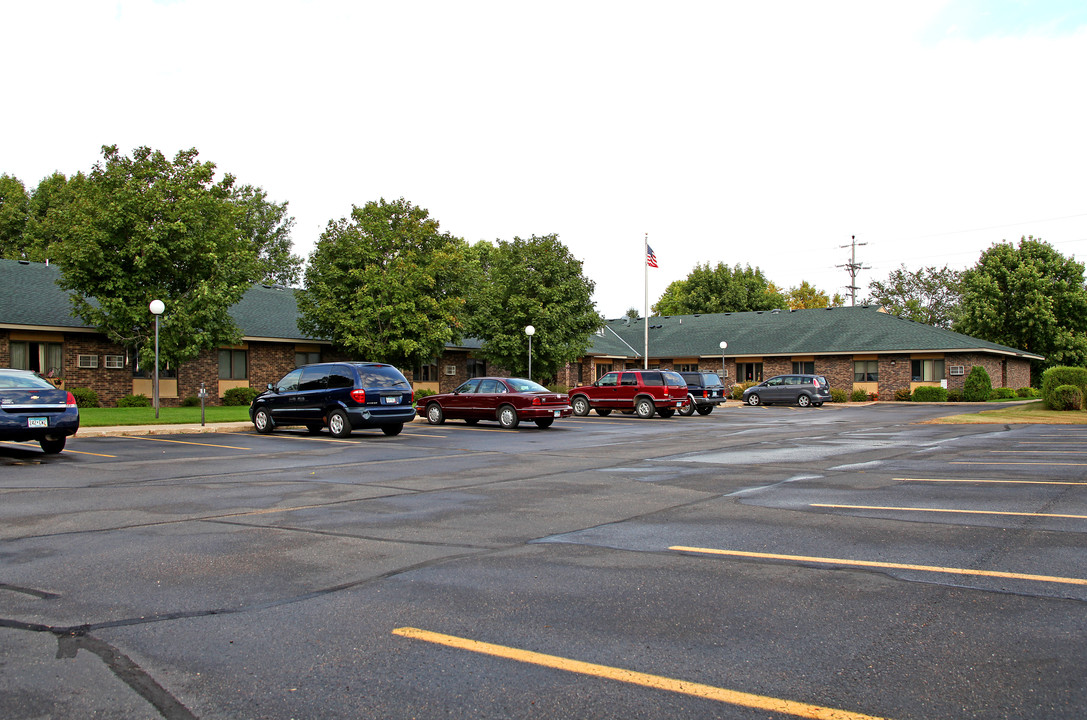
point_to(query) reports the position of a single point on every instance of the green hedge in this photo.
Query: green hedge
(978, 386)
(131, 401)
(859, 395)
(1004, 393)
(903, 395)
(1066, 397)
(239, 396)
(1026, 392)
(1054, 377)
(930, 393)
(85, 397)
(838, 395)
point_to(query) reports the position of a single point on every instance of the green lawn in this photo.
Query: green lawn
(1034, 412)
(100, 417)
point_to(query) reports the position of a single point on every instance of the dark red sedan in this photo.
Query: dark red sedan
(507, 400)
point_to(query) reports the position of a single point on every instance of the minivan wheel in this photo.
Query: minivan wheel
(314, 428)
(803, 401)
(643, 408)
(338, 424)
(507, 417)
(52, 445)
(262, 421)
(753, 399)
(391, 430)
(434, 414)
(580, 405)
(688, 409)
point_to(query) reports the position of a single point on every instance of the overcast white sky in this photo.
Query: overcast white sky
(738, 132)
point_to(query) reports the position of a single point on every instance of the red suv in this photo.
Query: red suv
(642, 391)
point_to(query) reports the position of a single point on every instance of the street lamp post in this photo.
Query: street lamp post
(723, 346)
(530, 331)
(156, 307)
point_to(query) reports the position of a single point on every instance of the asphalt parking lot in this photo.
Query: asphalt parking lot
(841, 562)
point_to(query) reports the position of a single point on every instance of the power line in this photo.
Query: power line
(853, 266)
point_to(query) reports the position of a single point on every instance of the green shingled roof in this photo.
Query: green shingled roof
(851, 330)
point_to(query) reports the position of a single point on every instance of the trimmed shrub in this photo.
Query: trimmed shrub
(134, 401)
(858, 395)
(954, 395)
(839, 396)
(240, 396)
(191, 401)
(903, 395)
(1054, 377)
(930, 393)
(978, 386)
(424, 392)
(738, 389)
(1003, 393)
(1067, 397)
(1026, 392)
(85, 397)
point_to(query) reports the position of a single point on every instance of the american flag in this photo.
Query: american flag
(650, 257)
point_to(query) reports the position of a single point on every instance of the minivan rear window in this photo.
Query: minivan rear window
(378, 376)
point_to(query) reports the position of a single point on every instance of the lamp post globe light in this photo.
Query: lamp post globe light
(530, 331)
(157, 307)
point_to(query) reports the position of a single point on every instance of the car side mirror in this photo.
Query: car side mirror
(273, 388)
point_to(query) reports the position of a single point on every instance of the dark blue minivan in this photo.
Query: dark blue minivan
(343, 396)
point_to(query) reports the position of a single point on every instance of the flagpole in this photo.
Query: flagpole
(645, 261)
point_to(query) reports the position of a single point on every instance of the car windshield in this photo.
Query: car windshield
(710, 379)
(24, 380)
(377, 376)
(522, 385)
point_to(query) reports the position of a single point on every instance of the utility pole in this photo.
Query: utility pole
(853, 266)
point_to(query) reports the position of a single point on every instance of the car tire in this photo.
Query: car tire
(544, 422)
(704, 409)
(392, 430)
(753, 399)
(688, 409)
(262, 421)
(434, 414)
(803, 401)
(581, 405)
(338, 424)
(52, 445)
(603, 412)
(667, 412)
(471, 421)
(819, 404)
(314, 428)
(643, 408)
(507, 417)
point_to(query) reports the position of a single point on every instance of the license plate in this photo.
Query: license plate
(558, 413)
(391, 399)
(37, 422)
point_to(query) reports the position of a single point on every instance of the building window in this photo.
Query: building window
(45, 358)
(804, 367)
(476, 368)
(306, 358)
(602, 369)
(926, 370)
(748, 372)
(233, 364)
(428, 372)
(687, 367)
(114, 362)
(87, 361)
(866, 371)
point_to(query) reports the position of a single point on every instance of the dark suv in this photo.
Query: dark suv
(344, 396)
(704, 392)
(803, 390)
(642, 392)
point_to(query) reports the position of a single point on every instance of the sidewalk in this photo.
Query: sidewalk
(179, 429)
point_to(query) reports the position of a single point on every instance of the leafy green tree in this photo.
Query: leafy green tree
(268, 227)
(14, 209)
(633, 313)
(48, 203)
(1028, 297)
(142, 228)
(534, 282)
(978, 386)
(807, 297)
(720, 289)
(930, 295)
(385, 284)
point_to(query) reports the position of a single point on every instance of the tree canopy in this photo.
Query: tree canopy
(720, 289)
(385, 284)
(143, 228)
(268, 227)
(929, 295)
(806, 296)
(1029, 297)
(534, 282)
(14, 209)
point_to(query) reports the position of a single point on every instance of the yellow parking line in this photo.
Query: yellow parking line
(84, 452)
(895, 566)
(950, 510)
(708, 692)
(1009, 462)
(184, 442)
(996, 482)
(1050, 442)
(1059, 452)
(66, 451)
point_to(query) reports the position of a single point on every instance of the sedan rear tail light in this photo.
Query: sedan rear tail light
(537, 401)
(71, 400)
(359, 396)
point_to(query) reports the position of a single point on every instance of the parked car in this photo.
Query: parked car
(344, 396)
(802, 390)
(642, 392)
(32, 408)
(507, 400)
(704, 393)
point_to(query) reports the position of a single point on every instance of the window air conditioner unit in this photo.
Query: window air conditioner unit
(450, 369)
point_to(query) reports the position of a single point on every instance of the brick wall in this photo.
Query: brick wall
(1003, 371)
(894, 374)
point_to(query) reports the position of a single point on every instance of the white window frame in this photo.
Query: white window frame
(87, 362)
(114, 362)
